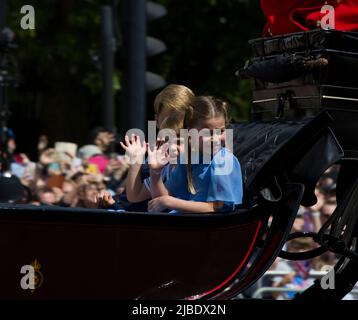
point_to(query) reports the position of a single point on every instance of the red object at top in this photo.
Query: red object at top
(302, 15)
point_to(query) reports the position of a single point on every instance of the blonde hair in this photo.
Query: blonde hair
(175, 98)
(203, 108)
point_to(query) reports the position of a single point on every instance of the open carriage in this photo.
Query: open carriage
(98, 254)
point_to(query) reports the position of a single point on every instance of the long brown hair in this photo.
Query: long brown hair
(203, 108)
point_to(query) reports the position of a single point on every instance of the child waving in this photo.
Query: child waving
(201, 186)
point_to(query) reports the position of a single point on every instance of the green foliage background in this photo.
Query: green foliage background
(60, 89)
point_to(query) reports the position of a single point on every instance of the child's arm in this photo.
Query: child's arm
(157, 159)
(168, 202)
(136, 191)
(157, 187)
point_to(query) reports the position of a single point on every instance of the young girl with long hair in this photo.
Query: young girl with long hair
(215, 185)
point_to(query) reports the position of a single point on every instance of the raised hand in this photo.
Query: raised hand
(135, 149)
(158, 156)
(104, 140)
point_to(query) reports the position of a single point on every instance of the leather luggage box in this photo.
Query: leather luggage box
(299, 74)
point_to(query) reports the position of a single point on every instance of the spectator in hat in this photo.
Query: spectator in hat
(93, 154)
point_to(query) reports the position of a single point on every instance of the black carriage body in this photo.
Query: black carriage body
(89, 254)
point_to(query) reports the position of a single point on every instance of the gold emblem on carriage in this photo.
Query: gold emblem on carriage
(39, 278)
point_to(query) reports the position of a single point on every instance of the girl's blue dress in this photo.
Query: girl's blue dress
(220, 180)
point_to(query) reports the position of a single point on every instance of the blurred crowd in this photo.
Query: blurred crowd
(65, 174)
(298, 275)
